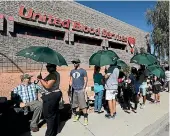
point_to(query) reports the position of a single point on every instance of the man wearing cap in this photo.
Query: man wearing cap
(78, 82)
(111, 86)
(27, 96)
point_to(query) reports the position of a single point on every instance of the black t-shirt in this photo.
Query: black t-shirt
(54, 76)
(51, 76)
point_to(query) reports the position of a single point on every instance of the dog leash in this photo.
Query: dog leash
(70, 99)
(87, 129)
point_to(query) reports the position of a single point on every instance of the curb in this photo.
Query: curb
(154, 128)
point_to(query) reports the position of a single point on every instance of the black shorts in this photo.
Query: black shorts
(156, 91)
(156, 88)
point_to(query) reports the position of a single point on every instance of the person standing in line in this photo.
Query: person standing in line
(98, 89)
(111, 87)
(51, 99)
(143, 84)
(134, 81)
(157, 89)
(120, 84)
(78, 82)
(127, 94)
(167, 78)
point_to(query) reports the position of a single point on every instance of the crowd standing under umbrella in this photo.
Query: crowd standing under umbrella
(109, 86)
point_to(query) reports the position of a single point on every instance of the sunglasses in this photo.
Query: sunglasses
(76, 63)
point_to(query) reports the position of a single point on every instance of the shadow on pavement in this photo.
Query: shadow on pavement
(65, 115)
(13, 124)
(148, 97)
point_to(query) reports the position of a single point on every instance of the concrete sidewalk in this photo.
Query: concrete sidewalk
(123, 125)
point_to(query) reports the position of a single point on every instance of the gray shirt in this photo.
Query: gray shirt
(78, 78)
(112, 81)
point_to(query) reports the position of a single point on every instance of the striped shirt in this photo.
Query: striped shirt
(27, 93)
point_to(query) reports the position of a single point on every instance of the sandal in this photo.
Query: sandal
(158, 102)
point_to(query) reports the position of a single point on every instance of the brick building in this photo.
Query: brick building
(70, 28)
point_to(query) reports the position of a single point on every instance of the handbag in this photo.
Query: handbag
(98, 88)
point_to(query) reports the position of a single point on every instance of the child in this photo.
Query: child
(156, 89)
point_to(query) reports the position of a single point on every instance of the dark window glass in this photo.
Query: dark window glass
(117, 46)
(38, 32)
(87, 40)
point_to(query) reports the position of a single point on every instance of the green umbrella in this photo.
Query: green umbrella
(156, 70)
(121, 63)
(144, 59)
(43, 54)
(103, 58)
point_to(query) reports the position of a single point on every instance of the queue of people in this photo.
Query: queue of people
(109, 86)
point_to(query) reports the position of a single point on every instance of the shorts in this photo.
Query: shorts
(79, 99)
(111, 94)
(156, 91)
(156, 88)
(143, 88)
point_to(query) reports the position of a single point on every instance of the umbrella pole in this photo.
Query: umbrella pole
(36, 82)
(41, 67)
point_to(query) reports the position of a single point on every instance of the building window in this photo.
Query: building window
(117, 45)
(37, 32)
(87, 40)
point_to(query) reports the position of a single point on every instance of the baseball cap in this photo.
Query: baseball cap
(76, 61)
(25, 76)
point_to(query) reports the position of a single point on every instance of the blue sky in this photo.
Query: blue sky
(131, 12)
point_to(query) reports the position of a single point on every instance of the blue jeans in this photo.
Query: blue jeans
(98, 101)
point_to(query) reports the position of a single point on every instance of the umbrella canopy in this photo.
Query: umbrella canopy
(144, 59)
(121, 63)
(156, 70)
(43, 54)
(103, 58)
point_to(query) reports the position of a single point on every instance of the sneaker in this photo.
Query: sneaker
(85, 121)
(112, 117)
(134, 110)
(107, 116)
(152, 102)
(95, 110)
(100, 112)
(157, 101)
(142, 106)
(76, 118)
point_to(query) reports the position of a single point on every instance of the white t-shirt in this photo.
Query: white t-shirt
(167, 75)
